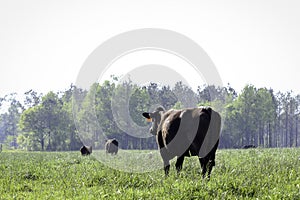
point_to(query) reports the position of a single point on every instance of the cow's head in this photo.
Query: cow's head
(155, 118)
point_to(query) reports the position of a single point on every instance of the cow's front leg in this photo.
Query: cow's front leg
(179, 163)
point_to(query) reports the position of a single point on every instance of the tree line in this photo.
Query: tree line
(65, 120)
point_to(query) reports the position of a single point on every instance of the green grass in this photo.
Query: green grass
(239, 174)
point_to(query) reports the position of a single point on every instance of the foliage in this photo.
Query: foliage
(113, 109)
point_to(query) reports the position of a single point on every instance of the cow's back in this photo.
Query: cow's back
(183, 132)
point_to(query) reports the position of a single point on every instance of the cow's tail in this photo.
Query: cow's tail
(212, 136)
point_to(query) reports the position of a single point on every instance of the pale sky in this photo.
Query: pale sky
(43, 44)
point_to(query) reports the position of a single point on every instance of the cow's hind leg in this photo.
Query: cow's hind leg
(211, 163)
(203, 163)
(179, 163)
(166, 167)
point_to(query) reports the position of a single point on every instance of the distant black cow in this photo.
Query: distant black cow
(249, 146)
(186, 132)
(86, 150)
(111, 146)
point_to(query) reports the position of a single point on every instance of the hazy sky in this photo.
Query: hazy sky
(43, 44)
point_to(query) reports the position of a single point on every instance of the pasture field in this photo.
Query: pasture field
(238, 174)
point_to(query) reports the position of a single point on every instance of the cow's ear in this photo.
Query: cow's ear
(147, 115)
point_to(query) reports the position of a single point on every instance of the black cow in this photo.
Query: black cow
(111, 146)
(186, 132)
(86, 150)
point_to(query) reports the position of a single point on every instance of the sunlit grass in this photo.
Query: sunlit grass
(239, 174)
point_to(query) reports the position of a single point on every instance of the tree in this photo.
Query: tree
(9, 120)
(32, 98)
(266, 108)
(67, 126)
(33, 135)
(185, 95)
(43, 123)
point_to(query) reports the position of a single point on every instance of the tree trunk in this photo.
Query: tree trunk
(260, 134)
(286, 129)
(296, 132)
(270, 135)
(291, 132)
(49, 142)
(43, 144)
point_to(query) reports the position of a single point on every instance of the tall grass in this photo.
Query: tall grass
(238, 174)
